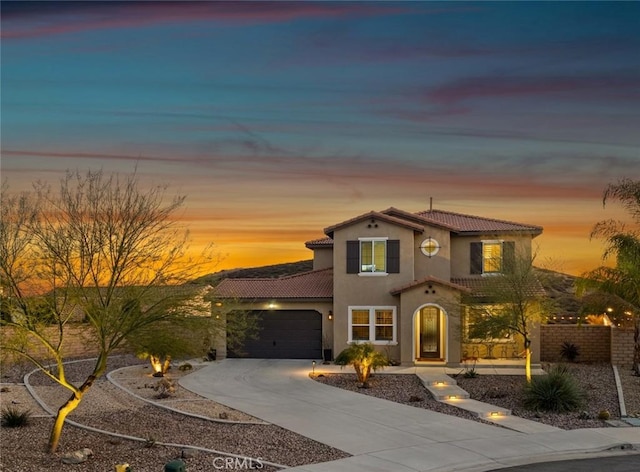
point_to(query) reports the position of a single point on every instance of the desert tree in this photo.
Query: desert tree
(99, 249)
(620, 282)
(184, 334)
(193, 331)
(509, 303)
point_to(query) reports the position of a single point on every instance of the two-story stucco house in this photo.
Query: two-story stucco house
(392, 278)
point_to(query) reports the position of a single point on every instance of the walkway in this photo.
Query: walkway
(382, 435)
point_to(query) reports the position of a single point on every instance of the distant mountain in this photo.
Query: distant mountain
(267, 272)
(561, 288)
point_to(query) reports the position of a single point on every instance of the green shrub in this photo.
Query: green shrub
(557, 391)
(12, 417)
(364, 358)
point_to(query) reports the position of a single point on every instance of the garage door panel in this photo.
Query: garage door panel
(286, 334)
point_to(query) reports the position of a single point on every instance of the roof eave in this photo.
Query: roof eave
(374, 215)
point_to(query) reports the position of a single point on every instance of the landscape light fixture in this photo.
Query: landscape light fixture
(313, 367)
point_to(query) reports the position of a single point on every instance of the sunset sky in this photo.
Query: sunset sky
(279, 119)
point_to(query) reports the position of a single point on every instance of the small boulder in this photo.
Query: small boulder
(77, 457)
(188, 453)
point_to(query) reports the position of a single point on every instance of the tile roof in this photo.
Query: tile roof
(456, 222)
(313, 284)
(461, 223)
(375, 215)
(322, 242)
(483, 286)
(427, 280)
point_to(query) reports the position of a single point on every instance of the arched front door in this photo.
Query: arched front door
(430, 333)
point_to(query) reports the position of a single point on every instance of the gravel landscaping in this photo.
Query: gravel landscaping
(400, 388)
(108, 407)
(597, 380)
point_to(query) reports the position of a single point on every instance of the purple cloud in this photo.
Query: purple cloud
(36, 19)
(609, 86)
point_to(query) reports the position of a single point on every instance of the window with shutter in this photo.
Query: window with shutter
(393, 256)
(353, 257)
(508, 256)
(492, 257)
(476, 258)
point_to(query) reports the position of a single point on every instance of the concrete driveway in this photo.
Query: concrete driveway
(381, 435)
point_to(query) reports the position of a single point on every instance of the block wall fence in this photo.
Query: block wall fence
(596, 343)
(77, 344)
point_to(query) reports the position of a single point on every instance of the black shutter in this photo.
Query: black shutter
(508, 256)
(393, 256)
(353, 257)
(476, 258)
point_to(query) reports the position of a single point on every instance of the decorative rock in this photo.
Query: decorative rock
(77, 457)
(188, 453)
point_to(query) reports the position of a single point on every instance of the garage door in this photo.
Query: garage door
(285, 334)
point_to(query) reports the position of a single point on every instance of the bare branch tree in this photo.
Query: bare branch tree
(99, 248)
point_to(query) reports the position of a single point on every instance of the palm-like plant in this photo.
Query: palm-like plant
(622, 241)
(364, 358)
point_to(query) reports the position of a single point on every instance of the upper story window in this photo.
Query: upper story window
(373, 256)
(492, 256)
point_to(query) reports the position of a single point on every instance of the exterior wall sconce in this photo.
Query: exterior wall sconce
(330, 315)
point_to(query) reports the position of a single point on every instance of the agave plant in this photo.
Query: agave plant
(12, 417)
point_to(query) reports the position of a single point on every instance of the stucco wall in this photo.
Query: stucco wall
(436, 266)
(366, 290)
(446, 299)
(461, 250)
(322, 258)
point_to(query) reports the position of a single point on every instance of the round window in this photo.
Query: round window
(429, 247)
